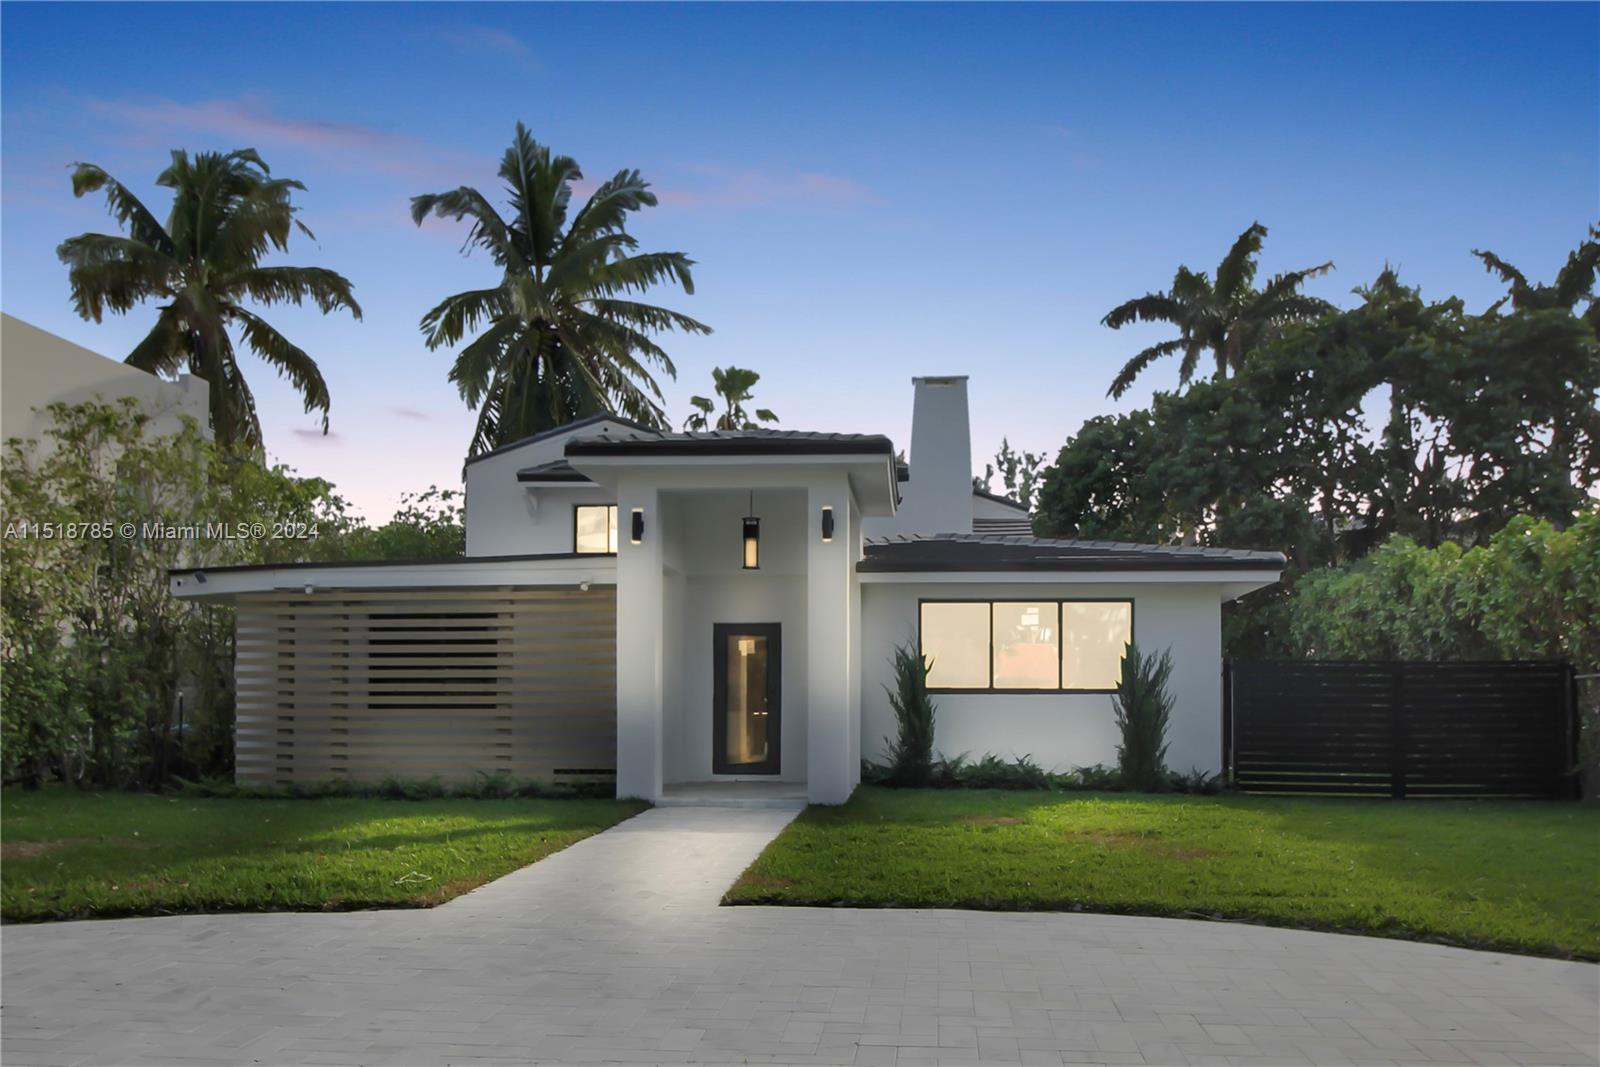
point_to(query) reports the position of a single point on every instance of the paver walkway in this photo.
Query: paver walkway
(615, 950)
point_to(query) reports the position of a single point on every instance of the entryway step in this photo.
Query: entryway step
(788, 796)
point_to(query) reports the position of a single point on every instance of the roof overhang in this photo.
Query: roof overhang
(871, 475)
(464, 572)
(1232, 583)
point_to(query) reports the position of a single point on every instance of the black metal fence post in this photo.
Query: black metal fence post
(1227, 722)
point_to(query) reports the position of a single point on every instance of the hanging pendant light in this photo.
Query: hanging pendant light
(752, 537)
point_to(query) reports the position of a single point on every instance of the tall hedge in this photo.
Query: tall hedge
(1531, 592)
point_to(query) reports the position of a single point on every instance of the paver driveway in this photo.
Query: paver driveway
(615, 950)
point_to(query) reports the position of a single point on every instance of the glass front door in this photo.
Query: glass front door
(747, 716)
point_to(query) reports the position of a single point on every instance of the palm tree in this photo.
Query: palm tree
(1227, 317)
(227, 213)
(560, 339)
(734, 385)
(1574, 282)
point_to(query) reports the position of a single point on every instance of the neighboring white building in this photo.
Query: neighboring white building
(38, 369)
(688, 608)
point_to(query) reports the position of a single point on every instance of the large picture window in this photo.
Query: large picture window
(1025, 645)
(594, 529)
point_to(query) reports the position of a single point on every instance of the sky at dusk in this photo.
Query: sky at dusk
(870, 192)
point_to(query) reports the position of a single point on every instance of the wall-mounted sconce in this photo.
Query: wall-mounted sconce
(636, 534)
(752, 537)
(827, 526)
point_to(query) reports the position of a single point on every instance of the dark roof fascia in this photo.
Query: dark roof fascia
(328, 564)
(1030, 554)
(871, 566)
(534, 474)
(733, 446)
(578, 424)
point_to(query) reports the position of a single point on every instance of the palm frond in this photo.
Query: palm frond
(1237, 271)
(126, 208)
(1136, 366)
(490, 353)
(1507, 273)
(488, 231)
(608, 209)
(456, 316)
(646, 316)
(108, 272)
(328, 289)
(638, 273)
(1152, 307)
(541, 188)
(1576, 278)
(1288, 282)
(164, 349)
(290, 361)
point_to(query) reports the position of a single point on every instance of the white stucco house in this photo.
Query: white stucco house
(677, 609)
(38, 369)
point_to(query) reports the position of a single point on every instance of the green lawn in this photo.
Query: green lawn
(1515, 876)
(68, 855)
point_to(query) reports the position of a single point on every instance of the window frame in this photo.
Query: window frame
(611, 509)
(1058, 601)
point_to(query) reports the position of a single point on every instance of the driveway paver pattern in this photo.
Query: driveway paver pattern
(615, 950)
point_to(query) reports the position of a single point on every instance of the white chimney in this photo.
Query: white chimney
(938, 498)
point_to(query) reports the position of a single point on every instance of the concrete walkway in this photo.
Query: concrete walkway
(615, 951)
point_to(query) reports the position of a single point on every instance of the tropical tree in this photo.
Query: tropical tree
(560, 339)
(734, 386)
(1573, 282)
(227, 213)
(1226, 316)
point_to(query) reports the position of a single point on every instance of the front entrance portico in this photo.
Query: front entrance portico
(689, 599)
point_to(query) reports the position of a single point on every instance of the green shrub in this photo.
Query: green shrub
(1143, 707)
(1196, 781)
(992, 772)
(1099, 778)
(911, 753)
(496, 785)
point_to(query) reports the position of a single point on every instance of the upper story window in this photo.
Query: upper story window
(594, 529)
(1025, 645)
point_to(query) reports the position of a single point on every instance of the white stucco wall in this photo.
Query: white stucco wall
(506, 518)
(38, 369)
(1059, 731)
(703, 555)
(938, 498)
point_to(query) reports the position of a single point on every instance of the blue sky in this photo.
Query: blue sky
(870, 192)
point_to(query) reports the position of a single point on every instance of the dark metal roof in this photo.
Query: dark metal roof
(558, 471)
(1020, 526)
(998, 499)
(981, 552)
(577, 424)
(325, 564)
(733, 443)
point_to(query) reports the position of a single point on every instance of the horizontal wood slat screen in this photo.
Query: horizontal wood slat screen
(362, 684)
(1398, 729)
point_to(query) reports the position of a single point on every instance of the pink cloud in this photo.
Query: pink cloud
(411, 413)
(331, 437)
(249, 122)
(487, 40)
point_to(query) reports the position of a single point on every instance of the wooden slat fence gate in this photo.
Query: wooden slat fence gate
(1399, 729)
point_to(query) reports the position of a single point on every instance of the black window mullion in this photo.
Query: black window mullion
(1061, 646)
(991, 646)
